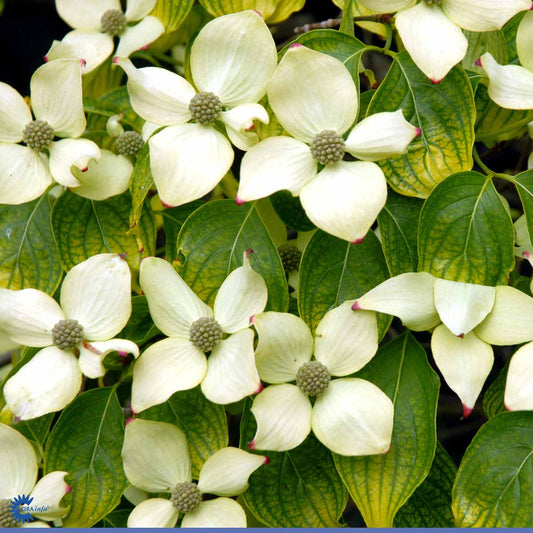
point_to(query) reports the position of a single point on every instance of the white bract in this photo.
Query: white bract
(156, 459)
(350, 416)
(18, 476)
(231, 62)
(179, 362)
(95, 306)
(56, 101)
(97, 22)
(316, 101)
(465, 318)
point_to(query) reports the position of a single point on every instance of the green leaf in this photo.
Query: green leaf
(381, 484)
(28, 251)
(333, 271)
(347, 25)
(36, 430)
(86, 442)
(172, 12)
(493, 397)
(398, 226)
(84, 228)
(465, 232)
(494, 484)
(140, 327)
(290, 210)
(273, 11)
(141, 182)
(101, 80)
(117, 518)
(480, 42)
(213, 240)
(509, 32)
(524, 185)
(445, 113)
(173, 219)
(204, 423)
(430, 505)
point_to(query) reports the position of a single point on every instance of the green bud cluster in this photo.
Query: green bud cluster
(6, 519)
(129, 143)
(205, 333)
(290, 257)
(327, 147)
(38, 134)
(313, 378)
(205, 107)
(186, 497)
(113, 22)
(67, 334)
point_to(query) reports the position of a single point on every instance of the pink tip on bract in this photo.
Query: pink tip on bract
(251, 445)
(436, 82)
(45, 59)
(168, 206)
(461, 335)
(477, 62)
(130, 420)
(386, 451)
(356, 306)
(258, 12)
(84, 169)
(82, 62)
(133, 225)
(259, 389)
(531, 6)
(145, 47)
(252, 319)
(123, 255)
(249, 251)
(466, 411)
(295, 45)
(266, 460)
(239, 201)
(116, 59)
(527, 255)
(359, 241)
(123, 354)
(141, 250)
(418, 132)
(68, 488)
(16, 419)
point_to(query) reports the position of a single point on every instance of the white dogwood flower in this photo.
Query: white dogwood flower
(56, 101)
(95, 306)
(231, 61)
(351, 416)
(316, 101)
(97, 22)
(156, 459)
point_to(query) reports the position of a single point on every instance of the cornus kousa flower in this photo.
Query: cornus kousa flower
(431, 30)
(315, 100)
(56, 101)
(98, 22)
(179, 362)
(465, 318)
(18, 476)
(95, 306)
(156, 459)
(231, 61)
(350, 416)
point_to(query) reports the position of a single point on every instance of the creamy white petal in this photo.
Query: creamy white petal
(36, 523)
(92, 46)
(166, 367)
(519, 385)
(28, 316)
(465, 363)
(139, 36)
(18, 464)
(510, 86)
(511, 319)
(220, 512)
(433, 41)
(462, 306)
(311, 92)
(155, 455)
(345, 198)
(275, 164)
(188, 161)
(6, 343)
(104, 178)
(283, 415)
(524, 41)
(483, 15)
(158, 95)
(346, 340)
(242, 295)
(24, 174)
(14, 114)
(97, 293)
(155, 512)
(234, 57)
(56, 96)
(84, 15)
(173, 305)
(381, 136)
(92, 354)
(231, 372)
(285, 344)
(47, 383)
(48, 492)
(239, 123)
(386, 6)
(69, 153)
(135, 495)
(353, 417)
(408, 296)
(138, 9)
(226, 472)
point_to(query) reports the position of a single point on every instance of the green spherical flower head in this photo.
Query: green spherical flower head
(129, 143)
(327, 147)
(6, 519)
(186, 497)
(313, 378)
(205, 333)
(290, 257)
(67, 334)
(113, 22)
(205, 107)
(38, 134)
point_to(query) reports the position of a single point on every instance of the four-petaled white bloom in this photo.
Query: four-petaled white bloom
(465, 318)
(431, 30)
(95, 306)
(18, 476)
(232, 60)
(96, 22)
(179, 362)
(156, 459)
(316, 101)
(56, 101)
(351, 416)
